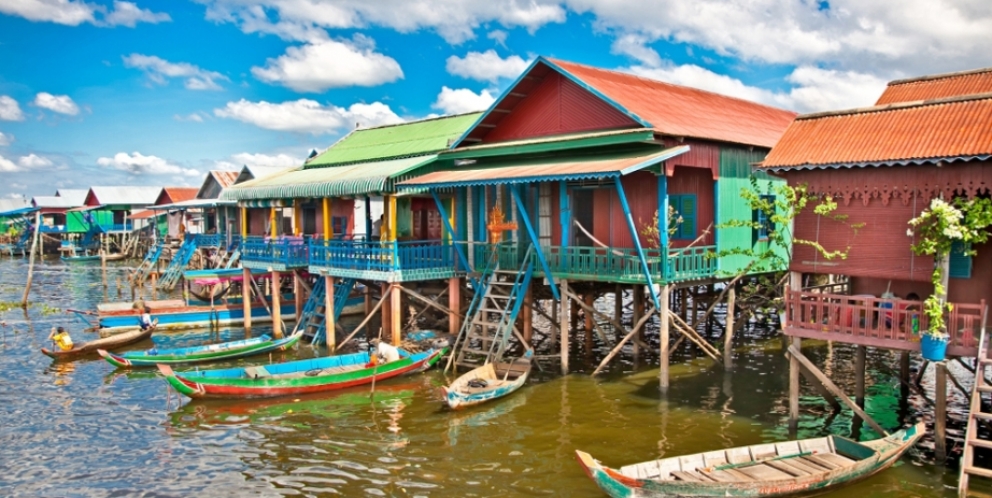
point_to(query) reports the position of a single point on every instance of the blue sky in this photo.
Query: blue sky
(159, 92)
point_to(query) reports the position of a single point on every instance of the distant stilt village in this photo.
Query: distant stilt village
(506, 231)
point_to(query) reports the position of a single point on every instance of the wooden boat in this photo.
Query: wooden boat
(116, 341)
(91, 257)
(201, 354)
(295, 377)
(488, 382)
(775, 469)
(175, 314)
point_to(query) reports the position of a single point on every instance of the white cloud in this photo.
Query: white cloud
(462, 100)
(486, 66)
(317, 66)
(499, 36)
(74, 13)
(10, 110)
(158, 70)
(7, 165)
(6, 139)
(61, 104)
(33, 161)
(307, 116)
(634, 45)
(195, 117)
(455, 20)
(815, 89)
(138, 163)
(237, 161)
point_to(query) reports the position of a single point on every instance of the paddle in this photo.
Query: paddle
(763, 460)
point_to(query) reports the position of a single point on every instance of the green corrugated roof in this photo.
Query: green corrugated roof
(403, 140)
(355, 179)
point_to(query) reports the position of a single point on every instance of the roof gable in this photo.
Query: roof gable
(215, 182)
(122, 196)
(75, 196)
(938, 86)
(170, 195)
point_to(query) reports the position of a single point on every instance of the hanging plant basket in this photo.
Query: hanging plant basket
(933, 348)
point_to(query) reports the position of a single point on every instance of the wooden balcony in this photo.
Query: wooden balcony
(383, 261)
(279, 254)
(877, 322)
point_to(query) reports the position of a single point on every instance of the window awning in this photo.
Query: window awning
(368, 178)
(581, 168)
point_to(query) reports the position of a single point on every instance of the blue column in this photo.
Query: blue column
(663, 222)
(454, 235)
(522, 209)
(564, 214)
(637, 241)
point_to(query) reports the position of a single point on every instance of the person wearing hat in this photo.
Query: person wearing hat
(60, 337)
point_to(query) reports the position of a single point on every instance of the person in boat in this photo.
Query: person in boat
(60, 337)
(146, 319)
(384, 353)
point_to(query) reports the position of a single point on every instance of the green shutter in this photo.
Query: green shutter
(685, 207)
(960, 264)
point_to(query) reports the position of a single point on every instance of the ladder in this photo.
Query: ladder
(148, 263)
(491, 316)
(178, 264)
(976, 416)
(312, 319)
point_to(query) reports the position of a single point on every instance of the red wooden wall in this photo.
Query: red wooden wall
(692, 180)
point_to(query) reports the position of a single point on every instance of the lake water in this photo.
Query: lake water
(86, 429)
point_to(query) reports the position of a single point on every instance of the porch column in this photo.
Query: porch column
(326, 205)
(397, 314)
(564, 213)
(244, 223)
(795, 282)
(276, 306)
(246, 297)
(273, 232)
(297, 219)
(455, 305)
(330, 330)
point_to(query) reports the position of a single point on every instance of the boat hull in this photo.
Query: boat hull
(458, 399)
(888, 451)
(86, 348)
(194, 317)
(249, 348)
(236, 383)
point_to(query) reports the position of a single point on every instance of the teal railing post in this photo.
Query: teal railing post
(637, 241)
(535, 241)
(454, 234)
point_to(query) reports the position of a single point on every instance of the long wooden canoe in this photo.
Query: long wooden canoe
(488, 382)
(200, 354)
(91, 257)
(174, 314)
(295, 377)
(116, 341)
(775, 469)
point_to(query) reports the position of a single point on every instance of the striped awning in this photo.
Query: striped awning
(264, 203)
(554, 169)
(368, 178)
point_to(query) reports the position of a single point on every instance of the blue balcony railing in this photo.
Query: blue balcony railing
(53, 229)
(382, 256)
(116, 227)
(284, 252)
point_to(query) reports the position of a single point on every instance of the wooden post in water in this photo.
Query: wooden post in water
(795, 282)
(664, 300)
(618, 308)
(904, 374)
(589, 299)
(940, 414)
(396, 314)
(386, 307)
(573, 322)
(276, 304)
(728, 333)
(330, 325)
(34, 246)
(528, 312)
(638, 313)
(297, 294)
(246, 298)
(859, 388)
(564, 327)
(554, 324)
(455, 305)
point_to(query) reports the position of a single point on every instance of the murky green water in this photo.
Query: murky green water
(84, 429)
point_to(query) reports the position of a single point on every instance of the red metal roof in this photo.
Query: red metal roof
(224, 178)
(945, 129)
(938, 86)
(172, 195)
(684, 111)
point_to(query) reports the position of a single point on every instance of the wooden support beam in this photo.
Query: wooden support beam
(638, 293)
(664, 352)
(330, 326)
(563, 328)
(386, 310)
(396, 314)
(276, 305)
(368, 317)
(795, 353)
(590, 319)
(528, 318)
(904, 374)
(940, 414)
(728, 331)
(813, 381)
(454, 305)
(245, 298)
(298, 294)
(695, 338)
(630, 335)
(794, 362)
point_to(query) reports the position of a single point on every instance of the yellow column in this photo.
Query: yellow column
(297, 218)
(244, 222)
(392, 218)
(272, 223)
(452, 220)
(276, 306)
(327, 218)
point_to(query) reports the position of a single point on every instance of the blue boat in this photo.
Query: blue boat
(488, 382)
(175, 314)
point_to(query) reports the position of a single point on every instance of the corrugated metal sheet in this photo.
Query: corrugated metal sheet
(554, 107)
(76, 196)
(938, 86)
(392, 141)
(937, 129)
(684, 111)
(224, 178)
(172, 195)
(51, 201)
(583, 168)
(122, 196)
(355, 179)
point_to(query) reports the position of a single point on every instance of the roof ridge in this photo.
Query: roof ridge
(375, 160)
(416, 121)
(941, 76)
(896, 106)
(631, 75)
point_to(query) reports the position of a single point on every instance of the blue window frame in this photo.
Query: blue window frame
(339, 224)
(685, 208)
(960, 263)
(762, 219)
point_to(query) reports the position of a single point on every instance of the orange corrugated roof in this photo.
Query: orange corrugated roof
(938, 86)
(179, 194)
(683, 111)
(225, 178)
(951, 128)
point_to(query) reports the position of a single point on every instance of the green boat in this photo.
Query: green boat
(201, 354)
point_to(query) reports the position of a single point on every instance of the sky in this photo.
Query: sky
(159, 92)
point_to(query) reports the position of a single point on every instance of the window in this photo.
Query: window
(339, 224)
(762, 219)
(960, 264)
(683, 225)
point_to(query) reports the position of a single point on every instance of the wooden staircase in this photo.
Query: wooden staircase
(312, 320)
(178, 264)
(491, 316)
(976, 416)
(148, 264)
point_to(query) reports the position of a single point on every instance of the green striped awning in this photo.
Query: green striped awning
(368, 178)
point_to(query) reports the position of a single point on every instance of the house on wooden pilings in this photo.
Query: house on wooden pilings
(580, 159)
(338, 215)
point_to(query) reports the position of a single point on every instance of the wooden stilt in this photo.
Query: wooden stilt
(728, 333)
(616, 349)
(796, 349)
(555, 324)
(455, 304)
(330, 325)
(589, 299)
(574, 318)
(245, 298)
(386, 308)
(860, 358)
(940, 414)
(618, 308)
(528, 312)
(298, 294)
(276, 305)
(396, 315)
(368, 300)
(638, 313)
(813, 381)
(904, 374)
(566, 318)
(663, 332)
(34, 247)
(684, 303)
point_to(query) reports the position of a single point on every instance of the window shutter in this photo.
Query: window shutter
(687, 208)
(960, 264)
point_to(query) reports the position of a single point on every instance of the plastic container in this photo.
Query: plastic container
(933, 349)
